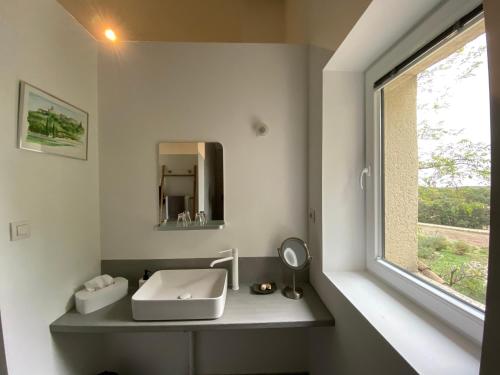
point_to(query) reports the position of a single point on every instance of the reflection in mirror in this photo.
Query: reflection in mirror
(290, 257)
(191, 188)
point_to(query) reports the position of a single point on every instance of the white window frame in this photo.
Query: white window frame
(460, 315)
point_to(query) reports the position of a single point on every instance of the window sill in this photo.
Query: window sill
(427, 344)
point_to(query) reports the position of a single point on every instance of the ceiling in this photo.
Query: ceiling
(321, 22)
(183, 20)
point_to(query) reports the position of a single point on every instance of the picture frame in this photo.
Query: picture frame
(50, 125)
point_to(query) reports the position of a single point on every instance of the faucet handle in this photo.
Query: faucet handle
(234, 251)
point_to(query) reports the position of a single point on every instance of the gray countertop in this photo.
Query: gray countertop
(243, 310)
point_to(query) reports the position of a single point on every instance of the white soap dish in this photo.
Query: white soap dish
(87, 302)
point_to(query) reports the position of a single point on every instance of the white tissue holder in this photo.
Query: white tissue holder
(87, 302)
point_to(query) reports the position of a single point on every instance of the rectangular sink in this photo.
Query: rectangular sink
(181, 295)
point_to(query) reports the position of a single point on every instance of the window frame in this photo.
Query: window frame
(465, 318)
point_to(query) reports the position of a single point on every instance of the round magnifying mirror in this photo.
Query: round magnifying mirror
(295, 254)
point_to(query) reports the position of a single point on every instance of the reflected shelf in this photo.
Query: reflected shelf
(211, 225)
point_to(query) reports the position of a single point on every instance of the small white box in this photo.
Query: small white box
(87, 302)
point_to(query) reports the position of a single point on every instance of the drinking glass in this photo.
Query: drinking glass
(181, 220)
(198, 219)
(187, 216)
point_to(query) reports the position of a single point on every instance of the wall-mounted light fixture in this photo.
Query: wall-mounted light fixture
(260, 128)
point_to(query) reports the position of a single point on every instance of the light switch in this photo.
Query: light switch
(20, 230)
(23, 230)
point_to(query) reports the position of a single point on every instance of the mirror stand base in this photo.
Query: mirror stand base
(292, 293)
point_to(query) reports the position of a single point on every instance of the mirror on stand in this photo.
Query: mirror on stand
(294, 253)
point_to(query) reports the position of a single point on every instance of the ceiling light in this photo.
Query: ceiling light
(110, 34)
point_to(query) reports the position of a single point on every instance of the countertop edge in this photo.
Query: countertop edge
(54, 328)
(243, 311)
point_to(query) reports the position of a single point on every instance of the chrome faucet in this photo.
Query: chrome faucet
(234, 258)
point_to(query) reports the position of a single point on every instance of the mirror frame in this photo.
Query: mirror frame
(281, 250)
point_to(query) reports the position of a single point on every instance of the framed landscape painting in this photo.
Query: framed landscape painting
(51, 125)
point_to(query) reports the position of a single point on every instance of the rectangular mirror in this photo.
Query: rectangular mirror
(191, 185)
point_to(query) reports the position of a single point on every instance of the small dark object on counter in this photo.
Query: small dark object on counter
(108, 373)
(270, 287)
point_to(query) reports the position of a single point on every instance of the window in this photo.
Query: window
(432, 157)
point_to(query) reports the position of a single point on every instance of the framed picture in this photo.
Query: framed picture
(51, 125)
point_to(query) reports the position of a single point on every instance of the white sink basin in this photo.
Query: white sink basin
(181, 295)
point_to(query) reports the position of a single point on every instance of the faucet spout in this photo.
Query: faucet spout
(234, 261)
(221, 260)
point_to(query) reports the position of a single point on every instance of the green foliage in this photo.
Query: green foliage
(425, 252)
(454, 160)
(430, 244)
(426, 132)
(462, 266)
(473, 288)
(54, 125)
(462, 248)
(453, 163)
(467, 207)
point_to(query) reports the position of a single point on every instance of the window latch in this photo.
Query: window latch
(368, 172)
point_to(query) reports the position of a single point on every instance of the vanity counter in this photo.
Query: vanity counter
(243, 310)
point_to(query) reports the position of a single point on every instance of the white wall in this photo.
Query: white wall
(343, 160)
(153, 92)
(41, 44)
(318, 57)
